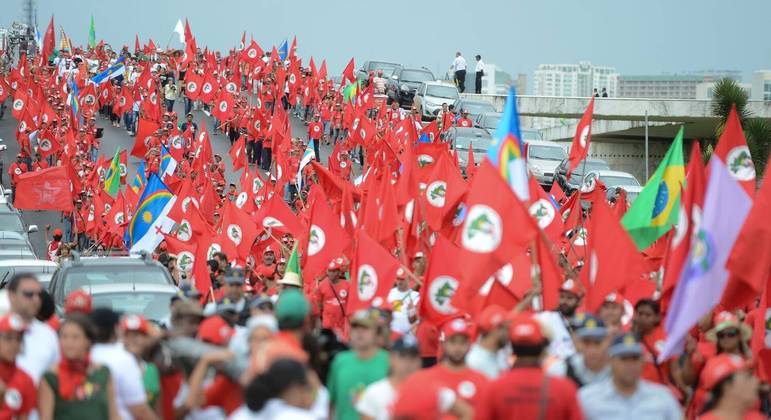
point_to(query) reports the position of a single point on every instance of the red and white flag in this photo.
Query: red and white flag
(580, 147)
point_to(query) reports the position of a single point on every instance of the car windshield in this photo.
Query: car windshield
(43, 273)
(440, 91)
(530, 135)
(546, 153)
(83, 277)
(416, 76)
(11, 222)
(589, 166)
(480, 144)
(617, 181)
(151, 305)
(476, 107)
(388, 68)
(490, 121)
(20, 253)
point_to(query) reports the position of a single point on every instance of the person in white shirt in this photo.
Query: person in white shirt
(124, 368)
(459, 67)
(376, 400)
(485, 354)
(480, 71)
(40, 349)
(404, 304)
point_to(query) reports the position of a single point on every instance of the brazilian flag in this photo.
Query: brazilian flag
(112, 177)
(657, 207)
(350, 92)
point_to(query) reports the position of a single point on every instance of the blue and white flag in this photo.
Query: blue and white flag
(306, 159)
(117, 69)
(168, 163)
(149, 222)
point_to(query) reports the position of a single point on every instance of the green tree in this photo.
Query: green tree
(757, 130)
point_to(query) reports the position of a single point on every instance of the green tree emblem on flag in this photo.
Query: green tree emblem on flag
(741, 161)
(365, 280)
(480, 225)
(444, 293)
(438, 192)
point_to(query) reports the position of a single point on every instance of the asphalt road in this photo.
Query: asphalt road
(115, 138)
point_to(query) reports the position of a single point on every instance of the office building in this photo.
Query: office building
(574, 79)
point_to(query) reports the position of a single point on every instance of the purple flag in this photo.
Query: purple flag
(704, 275)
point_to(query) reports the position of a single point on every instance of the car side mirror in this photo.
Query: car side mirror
(32, 229)
(393, 76)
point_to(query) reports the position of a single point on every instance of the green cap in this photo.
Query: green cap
(292, 309)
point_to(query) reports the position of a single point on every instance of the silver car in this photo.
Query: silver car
(543, 157)
(431, 95)
(623, 180)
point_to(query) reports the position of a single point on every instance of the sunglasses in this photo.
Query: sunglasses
(728, 334)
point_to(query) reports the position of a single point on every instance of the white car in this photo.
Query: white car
(623, 180)
(42, 269)
(431, 95)
(543, 157)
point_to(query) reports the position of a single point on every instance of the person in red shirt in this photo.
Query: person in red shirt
(38, 164)
(464, 120)
(733, 389)
(264, 274)
(331, 297)
(646, 323)
(18, 387)
(315, 131)
(452, 371)
(15, 170)
(526, 390)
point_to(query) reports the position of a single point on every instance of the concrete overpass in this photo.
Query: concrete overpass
(618, 130)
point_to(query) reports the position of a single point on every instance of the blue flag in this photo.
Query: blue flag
(138, 183)
(117, 69)
(149, 222)
(506, 151)
(168, 163)
(283, 50)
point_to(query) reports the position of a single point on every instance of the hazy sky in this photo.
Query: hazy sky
(637, 37)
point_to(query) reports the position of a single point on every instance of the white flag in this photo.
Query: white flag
(180, 30)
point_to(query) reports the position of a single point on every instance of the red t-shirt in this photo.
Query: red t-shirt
(224, 393)
(652, 345)
(467, 384)
(315, 130)
(428, 339)
(519, 391)
(332, 309)
(170, 384)
(464, 122)
(20, 395)
(750, 415)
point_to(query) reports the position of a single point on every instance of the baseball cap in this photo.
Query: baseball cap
(401, 273)
(234, 277)
(405, 346)
(336, 263)
(58, 232)
(457, 326)
(625, 345)
(720, 367)
(572, 286)
(491, 317)
(292, 308)
(78, 301)
(186, 308)
(12, 322)
(367, 318)
(260, 301)
(136, 323)
(592, 327)
(215, 330)
(526, 330)
(226, 305)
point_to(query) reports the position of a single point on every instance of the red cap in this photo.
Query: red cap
(136, 323)
(58, 232)
(77, 301)
(720, 367)
(491, 317)
(572, 286)
(336, 263)
(457, 326)
(215, 330)
(401, 273)
(12, 323)
(525, 330)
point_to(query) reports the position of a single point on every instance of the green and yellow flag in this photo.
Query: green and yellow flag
(92, 34)
(112, 176)
(350, 92)
(657, 207)
(293, 274)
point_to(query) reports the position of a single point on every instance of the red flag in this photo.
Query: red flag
(276, 215)
(136, 44)
(581, 140)
(239, 228)
(496, 228)
(223, 107)
(348, 72)
(185, 252)
(544, 211)
(326, 238)
(732, 149)
(372, 274)
(253, 53)
(48, 189)
(238, 153)
(750, 259)
(444, 188)
(471, 165)
(692, 202)
(49, 41)
(613, 260)
(145, 131)
(442, 281)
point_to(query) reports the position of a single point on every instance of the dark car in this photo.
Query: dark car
(488, 120)
(474, 108)
(401, 86)
(87, 272)
(574, 182)
(373, 66)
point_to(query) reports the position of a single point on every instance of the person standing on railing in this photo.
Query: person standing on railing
(480, 71)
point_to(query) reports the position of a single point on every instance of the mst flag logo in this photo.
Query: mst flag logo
(702, 254)
(740, 163)
(185, 260)
(235, 234)
(440, 293)
(316, 240)
(436, 192)
(482, 229)
(213, 249)
(185, 231)
(367, 284)
(543, 212)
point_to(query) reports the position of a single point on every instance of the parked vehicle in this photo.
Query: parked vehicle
(488, 120)
(463, 138)
(15, 246)
(474, 108)
(42, 269)
(574, 182)
(403, 84)
(11, 221)
(373, 66)
(623, 180)
(431, 95)
(543, 157)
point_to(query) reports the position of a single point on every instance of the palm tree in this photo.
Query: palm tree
(757, 130)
